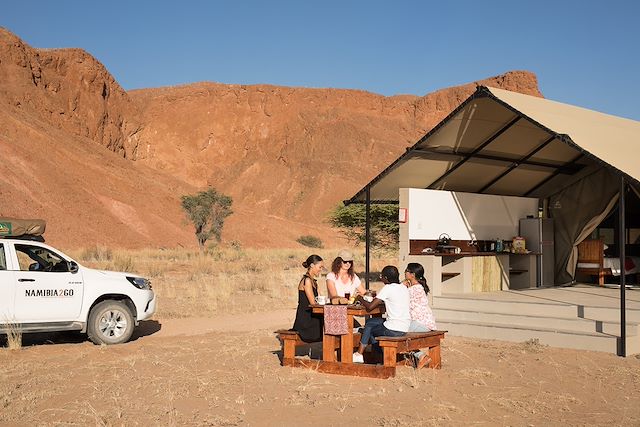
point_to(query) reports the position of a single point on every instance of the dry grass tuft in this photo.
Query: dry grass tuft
(14, 335)
(533, 346)
(96, 254)
(221, 280)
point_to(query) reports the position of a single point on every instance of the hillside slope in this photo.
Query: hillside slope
(106, 166)
(289, 153)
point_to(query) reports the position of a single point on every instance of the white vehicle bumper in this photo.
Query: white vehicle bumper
(148, 306)
(145, 302)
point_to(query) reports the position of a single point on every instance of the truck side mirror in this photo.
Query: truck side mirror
(72, 266)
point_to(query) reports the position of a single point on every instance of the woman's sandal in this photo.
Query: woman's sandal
(424, 360)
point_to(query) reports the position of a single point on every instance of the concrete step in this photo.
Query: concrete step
(506, 307)
(556, 323)
(547, 336)
(608, 314)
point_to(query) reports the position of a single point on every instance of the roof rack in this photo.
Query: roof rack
(24, 237)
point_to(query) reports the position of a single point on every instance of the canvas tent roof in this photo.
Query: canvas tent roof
(507, 143)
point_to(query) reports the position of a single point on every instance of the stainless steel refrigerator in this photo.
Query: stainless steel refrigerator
(538, 234)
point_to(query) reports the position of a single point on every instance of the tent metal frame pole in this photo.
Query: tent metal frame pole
(476, 150)
(518, 163)
(367, 238)
(513, 163)
(622, 351)
(553, 175)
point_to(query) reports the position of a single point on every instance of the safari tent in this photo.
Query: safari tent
(580, 164)
(505, 143)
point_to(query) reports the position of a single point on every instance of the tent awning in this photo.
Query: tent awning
(506, 143)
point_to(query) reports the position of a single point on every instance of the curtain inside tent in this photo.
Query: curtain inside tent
(576, 211)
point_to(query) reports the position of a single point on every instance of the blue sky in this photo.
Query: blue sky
(584, 53)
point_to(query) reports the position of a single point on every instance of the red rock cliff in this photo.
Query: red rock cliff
(107, 166)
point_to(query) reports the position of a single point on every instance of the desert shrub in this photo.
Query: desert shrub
(123, 263)
(310, 241)
(96, 254)
(155, 269)
(207, 211)
(351, 220)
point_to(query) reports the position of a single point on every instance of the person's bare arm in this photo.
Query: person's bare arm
(308, 290)
(331, 288)
(369, 305)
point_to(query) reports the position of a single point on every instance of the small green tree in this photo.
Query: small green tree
(351, 220)
(207, 210)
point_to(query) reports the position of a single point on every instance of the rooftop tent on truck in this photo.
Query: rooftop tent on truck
(31, 229)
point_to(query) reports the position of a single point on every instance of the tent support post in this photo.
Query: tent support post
(367, 237)
(622, 351)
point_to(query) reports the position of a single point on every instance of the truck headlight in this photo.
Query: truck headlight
(139, 282)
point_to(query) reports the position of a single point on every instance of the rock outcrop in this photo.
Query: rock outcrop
(291, 153)
(106, 166)
(68, 89)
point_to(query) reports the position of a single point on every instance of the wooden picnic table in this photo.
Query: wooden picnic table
(345, 345)
(344, 342)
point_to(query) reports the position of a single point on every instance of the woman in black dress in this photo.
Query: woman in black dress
(308, 325)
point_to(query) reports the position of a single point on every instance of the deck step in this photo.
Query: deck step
(608, 314)
(574, 324)
(549, 336)
(506, 307)
(585, 318)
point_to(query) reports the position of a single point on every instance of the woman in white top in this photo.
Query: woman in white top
(342, 280)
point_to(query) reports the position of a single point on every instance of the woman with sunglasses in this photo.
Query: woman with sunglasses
(342, 280)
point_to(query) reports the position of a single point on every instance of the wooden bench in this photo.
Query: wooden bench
(392, 347)
(290, 340)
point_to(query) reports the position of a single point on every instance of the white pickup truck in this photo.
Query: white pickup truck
(42, 289)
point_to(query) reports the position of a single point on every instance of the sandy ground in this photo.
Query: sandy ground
(226, 371)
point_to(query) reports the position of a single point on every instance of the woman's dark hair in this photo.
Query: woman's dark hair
(391, 273)
(337, 263)
(312, 259)
(418, 270)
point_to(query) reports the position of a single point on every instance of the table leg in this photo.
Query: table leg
(346, 343)
(434, 354)
(329, 348)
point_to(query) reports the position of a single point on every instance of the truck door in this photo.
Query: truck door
(7, 288)
(45, 288)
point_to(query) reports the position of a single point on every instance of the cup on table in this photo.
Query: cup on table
(321, 299)
(347, 295)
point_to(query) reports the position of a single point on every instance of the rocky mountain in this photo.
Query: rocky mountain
(108, 166)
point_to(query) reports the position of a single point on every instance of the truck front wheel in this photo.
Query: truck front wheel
(110, 322)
